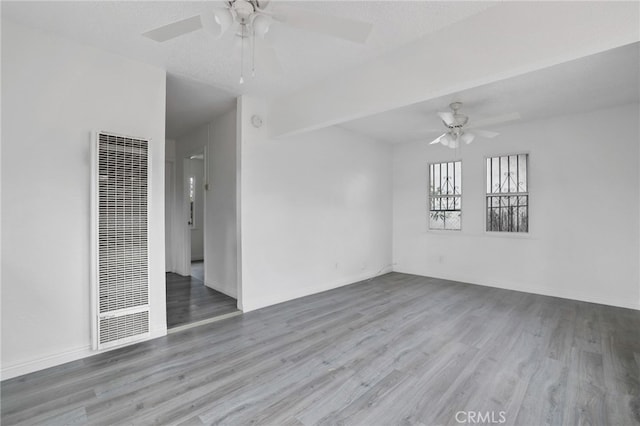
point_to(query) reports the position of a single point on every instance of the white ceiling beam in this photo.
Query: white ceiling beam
(504, 41)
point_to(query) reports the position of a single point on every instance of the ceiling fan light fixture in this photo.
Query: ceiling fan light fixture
(467, 137)
(210, 24)
(456, 132)
(224, 18)
(261, 25)
(454, 142)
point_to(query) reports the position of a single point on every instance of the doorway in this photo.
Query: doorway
(191, 298)
(194, 171)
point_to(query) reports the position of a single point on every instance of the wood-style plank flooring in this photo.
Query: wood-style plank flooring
(189, 301)
(399, 349)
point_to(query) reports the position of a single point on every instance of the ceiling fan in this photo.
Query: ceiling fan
(250, 18)
(458, 132)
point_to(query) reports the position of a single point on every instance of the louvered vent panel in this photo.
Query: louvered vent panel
(121, 327)
(123, 281)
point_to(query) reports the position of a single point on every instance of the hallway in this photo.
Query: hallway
(189, 300)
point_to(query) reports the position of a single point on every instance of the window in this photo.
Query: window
(508, 193)
(445, 195)
(192, 201)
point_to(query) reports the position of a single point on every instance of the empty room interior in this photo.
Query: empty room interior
(320, 212)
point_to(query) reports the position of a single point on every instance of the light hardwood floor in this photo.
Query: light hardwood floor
(399, 349)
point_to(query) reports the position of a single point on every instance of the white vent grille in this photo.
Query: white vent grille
(120, 327)
(122, 251)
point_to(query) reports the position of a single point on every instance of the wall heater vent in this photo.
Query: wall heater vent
(116, 328)
(122, 265)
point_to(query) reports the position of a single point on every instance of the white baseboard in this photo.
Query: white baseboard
(264, 302)
(15, 370)
(220, 289)
(37, 364)
(204, 322)
(543, 291)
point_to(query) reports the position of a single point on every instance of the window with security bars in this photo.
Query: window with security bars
(445, 195)
(508, 193)
(192, 201)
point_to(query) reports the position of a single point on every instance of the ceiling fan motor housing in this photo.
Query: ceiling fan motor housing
(459, 120)
(243, 9)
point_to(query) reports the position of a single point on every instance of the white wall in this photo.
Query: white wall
(169, 203)
(196, 169)
(315, 210)
(584, 214)
(221, 244)
(55, 93)
(170, 150)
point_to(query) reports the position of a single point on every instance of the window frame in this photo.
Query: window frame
(430, 196)
(487, 195)
(191, 202)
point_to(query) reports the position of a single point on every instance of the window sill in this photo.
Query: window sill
(445, 231)
(484, 234)
(517, 235)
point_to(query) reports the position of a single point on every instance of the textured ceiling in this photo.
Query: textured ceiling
(305, 57)
(599, 81)
(191, 104)
(203, 72)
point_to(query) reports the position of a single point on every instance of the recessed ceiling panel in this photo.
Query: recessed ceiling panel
(593, 82)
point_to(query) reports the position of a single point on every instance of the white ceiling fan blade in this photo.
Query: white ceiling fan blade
(175, 29)
(437, 140)
(447, 117)
(498, 119)
(343, 28)
(484, 133)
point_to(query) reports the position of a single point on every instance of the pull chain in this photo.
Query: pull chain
(242, 55)
(253, 52)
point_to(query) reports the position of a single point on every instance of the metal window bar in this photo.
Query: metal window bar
(445, 195)
(507, 200)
